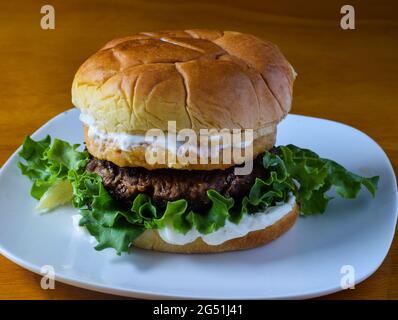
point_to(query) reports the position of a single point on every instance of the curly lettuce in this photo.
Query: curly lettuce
(316, 176)
(291, 170)
(45, 163)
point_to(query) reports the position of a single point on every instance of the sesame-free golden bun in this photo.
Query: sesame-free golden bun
(202, 79)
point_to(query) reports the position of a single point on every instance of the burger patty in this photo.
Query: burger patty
(164, 185)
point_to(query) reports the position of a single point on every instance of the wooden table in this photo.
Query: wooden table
(348, 76)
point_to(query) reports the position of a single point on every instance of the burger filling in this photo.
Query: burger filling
(118, 204)
(164, 185)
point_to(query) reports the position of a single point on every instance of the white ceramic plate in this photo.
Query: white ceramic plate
(305, 262)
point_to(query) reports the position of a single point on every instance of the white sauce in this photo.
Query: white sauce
(126, 141)
(123, 140)
(230, 230)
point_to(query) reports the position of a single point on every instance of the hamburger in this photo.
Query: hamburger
(200, 81)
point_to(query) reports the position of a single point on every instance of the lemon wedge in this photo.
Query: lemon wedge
(58, 194)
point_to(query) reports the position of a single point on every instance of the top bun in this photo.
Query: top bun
(198, 78)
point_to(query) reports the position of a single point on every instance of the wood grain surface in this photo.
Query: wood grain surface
(349, 76)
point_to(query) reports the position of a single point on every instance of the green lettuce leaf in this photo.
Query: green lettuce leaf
(112, 225)
(175, 215)
(46, 163)
(119, 235)
(215, 218)
(33, 153)
(316, 176)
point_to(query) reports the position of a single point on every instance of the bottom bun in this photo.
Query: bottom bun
(151, 240)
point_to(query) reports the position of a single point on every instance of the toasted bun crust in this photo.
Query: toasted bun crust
(198, 78)
(150, 239)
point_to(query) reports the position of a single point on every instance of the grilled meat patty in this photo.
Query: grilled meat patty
(170, 184)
